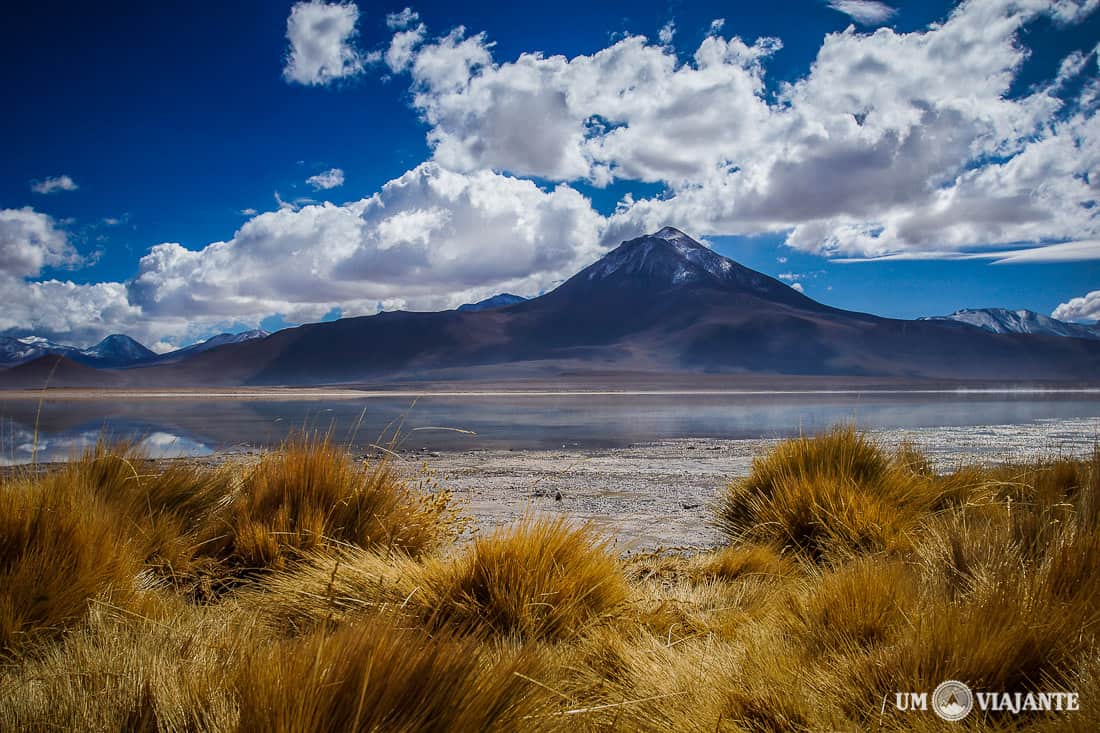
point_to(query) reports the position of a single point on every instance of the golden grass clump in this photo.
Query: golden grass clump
(311, 494)
(827, 497)
(740, 561)
(161, 664)
(372, 676)
(60, 548)
(541, 579)
(170, 513)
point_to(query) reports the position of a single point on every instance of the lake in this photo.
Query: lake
(195, 427)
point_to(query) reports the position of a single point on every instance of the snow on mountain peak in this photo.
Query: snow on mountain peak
(1003, 320)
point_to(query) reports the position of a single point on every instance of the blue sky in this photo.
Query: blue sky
(468, 166)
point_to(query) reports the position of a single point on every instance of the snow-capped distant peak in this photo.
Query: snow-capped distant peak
(1003, 320)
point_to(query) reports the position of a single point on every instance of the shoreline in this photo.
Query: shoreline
(299, 394)
(660, 494)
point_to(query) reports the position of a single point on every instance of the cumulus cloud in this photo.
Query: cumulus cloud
(798, 286)
(332, 178)
(864, 12)
(54, 184)
(322, 43)
(891, 143)
(1085, 308)
(29, 241)
(72, 313)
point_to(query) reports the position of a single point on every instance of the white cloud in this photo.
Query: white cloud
(399, 55)
(322, 47)
(1073, 251)
(798, 286)
(29, 241)
(891, 143)
(332, 178)
(864, 12)
(53, 184)
(1085, 308)
(248, 212)
(401, 20)
(69, 312)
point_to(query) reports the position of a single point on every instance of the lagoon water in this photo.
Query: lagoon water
(195, 427)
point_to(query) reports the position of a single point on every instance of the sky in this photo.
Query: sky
(172, 170)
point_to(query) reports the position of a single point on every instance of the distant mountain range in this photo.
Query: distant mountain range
(660, 304)
(115, 351)
(1002, 320)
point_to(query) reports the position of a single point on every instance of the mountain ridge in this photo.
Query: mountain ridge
(660, 303)
(1005, 320)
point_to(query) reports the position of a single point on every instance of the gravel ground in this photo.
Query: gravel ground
(662, 494)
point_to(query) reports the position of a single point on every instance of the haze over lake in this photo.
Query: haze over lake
(195, 427)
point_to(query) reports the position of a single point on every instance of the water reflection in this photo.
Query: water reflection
(188, 427)
(21, 445)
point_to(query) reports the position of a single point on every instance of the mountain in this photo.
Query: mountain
(660, 304)
(117, 350)
(52, 370)
(502, 300)
(1002, 320)
(212, 343)
(15, 351)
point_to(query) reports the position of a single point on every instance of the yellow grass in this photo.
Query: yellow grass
(312, 592)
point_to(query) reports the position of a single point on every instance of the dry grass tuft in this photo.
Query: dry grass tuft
(827, 498)
(740, 561)
(60, 547)
(541, 579)
(373, 676)
(311, 494)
